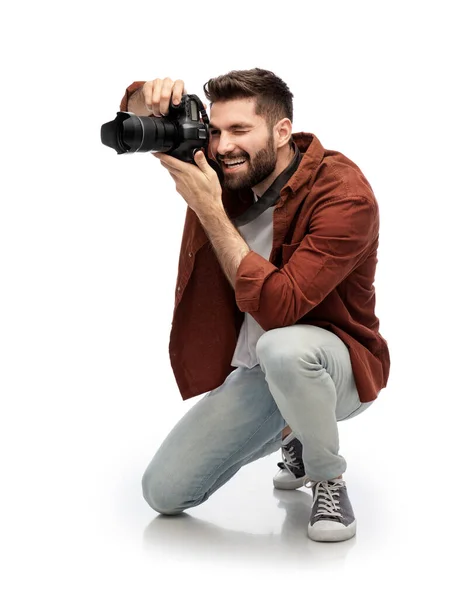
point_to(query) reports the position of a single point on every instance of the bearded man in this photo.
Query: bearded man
(274, 317)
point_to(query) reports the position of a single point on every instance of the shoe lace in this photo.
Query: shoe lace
(327, 494)
(290, 460)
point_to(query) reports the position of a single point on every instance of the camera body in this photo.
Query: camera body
(184, 131)
(193, 134)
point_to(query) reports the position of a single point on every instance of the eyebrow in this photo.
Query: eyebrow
(235, 126)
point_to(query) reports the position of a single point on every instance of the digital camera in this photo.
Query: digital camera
(184, 131)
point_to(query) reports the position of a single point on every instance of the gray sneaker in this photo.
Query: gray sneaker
(332, 517)
(291, 474)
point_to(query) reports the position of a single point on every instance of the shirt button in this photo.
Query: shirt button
(178, 289)
(190, 254)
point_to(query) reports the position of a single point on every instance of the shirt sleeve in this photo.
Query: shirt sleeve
(128, 93)
(341, 231)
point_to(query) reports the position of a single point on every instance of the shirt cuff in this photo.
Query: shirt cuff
(250, 278)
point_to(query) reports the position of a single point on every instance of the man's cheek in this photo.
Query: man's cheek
(213, 149)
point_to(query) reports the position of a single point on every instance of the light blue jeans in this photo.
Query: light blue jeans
(304, 379)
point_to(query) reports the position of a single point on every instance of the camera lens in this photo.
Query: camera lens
(130, 133)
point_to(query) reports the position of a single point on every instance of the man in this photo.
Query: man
(274, 312)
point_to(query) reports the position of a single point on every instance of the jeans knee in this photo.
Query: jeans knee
(266, 348)
(277, 352)
(157, 495)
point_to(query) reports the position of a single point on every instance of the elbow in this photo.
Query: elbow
(268, 322)
(275, 308)
(273, 315)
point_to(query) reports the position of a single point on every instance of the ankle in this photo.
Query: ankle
(285, 432)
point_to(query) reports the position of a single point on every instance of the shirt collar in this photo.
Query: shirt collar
(276, 186)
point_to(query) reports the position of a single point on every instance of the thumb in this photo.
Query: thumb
(200, 159)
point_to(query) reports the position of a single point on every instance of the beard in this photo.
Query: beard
(256, 169)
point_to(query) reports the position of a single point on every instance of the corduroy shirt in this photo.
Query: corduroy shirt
(320, 272)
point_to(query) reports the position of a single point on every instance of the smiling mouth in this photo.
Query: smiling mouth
(234, 165)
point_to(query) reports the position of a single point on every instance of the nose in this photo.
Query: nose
(225, 145)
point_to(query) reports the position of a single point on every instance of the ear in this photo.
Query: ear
(282, 132)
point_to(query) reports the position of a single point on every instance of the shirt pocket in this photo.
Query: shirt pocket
(287, 251)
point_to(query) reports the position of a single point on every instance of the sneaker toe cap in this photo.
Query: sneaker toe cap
(324, 525)
(331, 531)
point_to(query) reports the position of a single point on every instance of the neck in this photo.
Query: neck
(284, 158)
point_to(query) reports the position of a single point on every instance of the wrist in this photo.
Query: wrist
(212, 211)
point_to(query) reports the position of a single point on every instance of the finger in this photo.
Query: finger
(177, 91)
(176, 180)
(170, 168)
(148, 93)
(156, 97)
(201, 161)
(165, 98)
(169, 160)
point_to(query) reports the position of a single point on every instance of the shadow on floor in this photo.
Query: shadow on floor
(188, 537)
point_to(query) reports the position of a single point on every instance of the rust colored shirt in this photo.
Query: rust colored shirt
(320, 272)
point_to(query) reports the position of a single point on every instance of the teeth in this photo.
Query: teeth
(234, 162)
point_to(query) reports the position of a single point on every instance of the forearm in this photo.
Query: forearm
(228, 244)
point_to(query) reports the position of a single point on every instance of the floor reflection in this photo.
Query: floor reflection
(187, 536)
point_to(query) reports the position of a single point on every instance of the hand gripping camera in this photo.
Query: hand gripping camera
(180, 134)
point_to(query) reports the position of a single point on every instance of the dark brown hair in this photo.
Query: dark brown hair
(273, 97)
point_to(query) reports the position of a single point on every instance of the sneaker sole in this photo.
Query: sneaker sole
(290, 485)
(332, 535)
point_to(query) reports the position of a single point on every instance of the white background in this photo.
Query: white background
(89, 245)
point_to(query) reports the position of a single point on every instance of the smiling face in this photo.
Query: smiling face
(241, 143)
